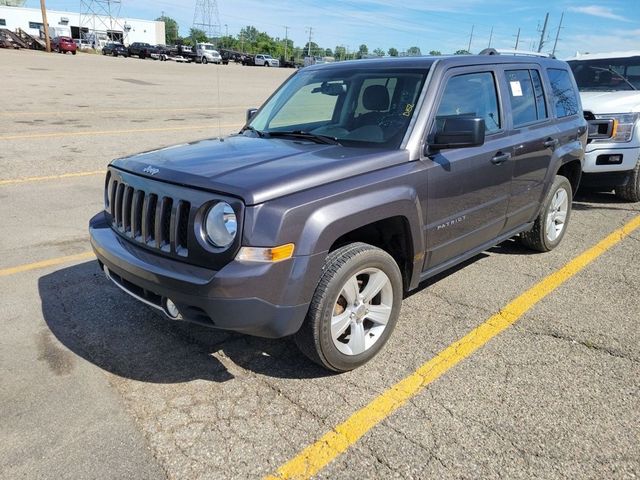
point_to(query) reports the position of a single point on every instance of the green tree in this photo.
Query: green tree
(414, 51)
(340, 52)
(378, 52)
(393, 52)
(198, 36)
(462, 52)
(435, 53)
(170, 29)
(314, 48)
(363, 51)
(328, 52)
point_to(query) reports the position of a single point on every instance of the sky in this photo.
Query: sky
(443, 25)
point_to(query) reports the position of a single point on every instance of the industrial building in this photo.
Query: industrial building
(92, 28)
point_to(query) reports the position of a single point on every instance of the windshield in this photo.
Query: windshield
(208, 47)
(357, 107)
(610, 74)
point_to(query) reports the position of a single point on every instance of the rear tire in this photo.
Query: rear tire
(354, 309)
(551, 224)
(631, 191)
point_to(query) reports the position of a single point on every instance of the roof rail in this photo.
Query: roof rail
(494, 51)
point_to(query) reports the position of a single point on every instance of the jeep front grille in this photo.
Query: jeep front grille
(158, 222)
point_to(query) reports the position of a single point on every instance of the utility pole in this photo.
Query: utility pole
(517, 39)
(309, 43)
(490, 37)
(47, 40)
(286, 40)
(544, 32)
(555, 44)
(470, 38)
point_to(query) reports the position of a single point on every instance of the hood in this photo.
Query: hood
(611, 102)
(257, 169)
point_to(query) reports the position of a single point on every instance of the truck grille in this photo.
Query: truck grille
(156, 221)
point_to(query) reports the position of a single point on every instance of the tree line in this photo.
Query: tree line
(251, 40)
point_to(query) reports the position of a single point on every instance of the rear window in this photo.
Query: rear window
(527, 96)
(564, 95)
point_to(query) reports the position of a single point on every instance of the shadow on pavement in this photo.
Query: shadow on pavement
(103, 325)
(585, 200)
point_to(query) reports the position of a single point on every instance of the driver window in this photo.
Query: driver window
(307, 105)
(471, 95)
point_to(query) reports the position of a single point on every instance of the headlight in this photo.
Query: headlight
(624, 130)
(221, 225)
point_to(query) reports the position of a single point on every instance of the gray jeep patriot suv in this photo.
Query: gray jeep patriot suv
(352, 184)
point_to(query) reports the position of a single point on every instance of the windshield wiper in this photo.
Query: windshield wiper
(251, 129)
(617, 74)
(324, 139)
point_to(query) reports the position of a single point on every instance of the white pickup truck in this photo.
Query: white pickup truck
(263, 60)
(609, 85)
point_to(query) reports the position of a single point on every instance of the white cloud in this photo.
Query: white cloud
(598, 11)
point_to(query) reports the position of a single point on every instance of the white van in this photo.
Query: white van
(609, 85)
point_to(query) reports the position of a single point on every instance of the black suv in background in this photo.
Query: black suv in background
(116, 49)
(141, 50)
(354, 183)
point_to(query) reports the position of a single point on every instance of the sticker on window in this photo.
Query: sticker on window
(408, 109)
(516, 88)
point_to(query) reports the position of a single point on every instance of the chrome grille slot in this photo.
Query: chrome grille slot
(150, 220)
(182, 229)
(126, 210)
(136, 215)
(164, 224)
(156, 220)
(118, 205)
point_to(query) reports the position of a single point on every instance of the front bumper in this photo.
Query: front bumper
(262, 299)
(630, 155)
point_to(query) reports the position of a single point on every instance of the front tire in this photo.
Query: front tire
(551, 224)
(354, 309)
(631, 191)
(204, 61)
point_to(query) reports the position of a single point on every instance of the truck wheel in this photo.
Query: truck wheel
(204, 61)
(354, 309)
(631, 191)
(551, 224)
(266, 64)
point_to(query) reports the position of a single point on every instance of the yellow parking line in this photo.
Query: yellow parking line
(85, 133)
(15, 181)
(125, 111)
(5, 272)
(332, 444)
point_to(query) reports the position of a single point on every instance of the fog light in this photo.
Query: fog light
(171, 309)
(610, 159)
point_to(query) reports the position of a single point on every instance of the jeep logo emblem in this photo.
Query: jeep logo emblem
(150, 170)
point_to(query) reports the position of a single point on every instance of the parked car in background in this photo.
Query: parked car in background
(263, 60)
(248, 60)
(115, 49)
(64, 45)
(141, 50)
(207, 53)
(609, 85)
(355, 182)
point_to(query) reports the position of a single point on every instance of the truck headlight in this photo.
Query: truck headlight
(623, 130)
(221, 225)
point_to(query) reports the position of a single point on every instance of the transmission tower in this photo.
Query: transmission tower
(206, 18)
(100, 20)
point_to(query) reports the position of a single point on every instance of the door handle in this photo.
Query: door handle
(500, 158)
(551, 142)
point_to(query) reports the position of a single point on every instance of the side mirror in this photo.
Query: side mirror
(602, 128)
(250, 113)
(458, 132)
